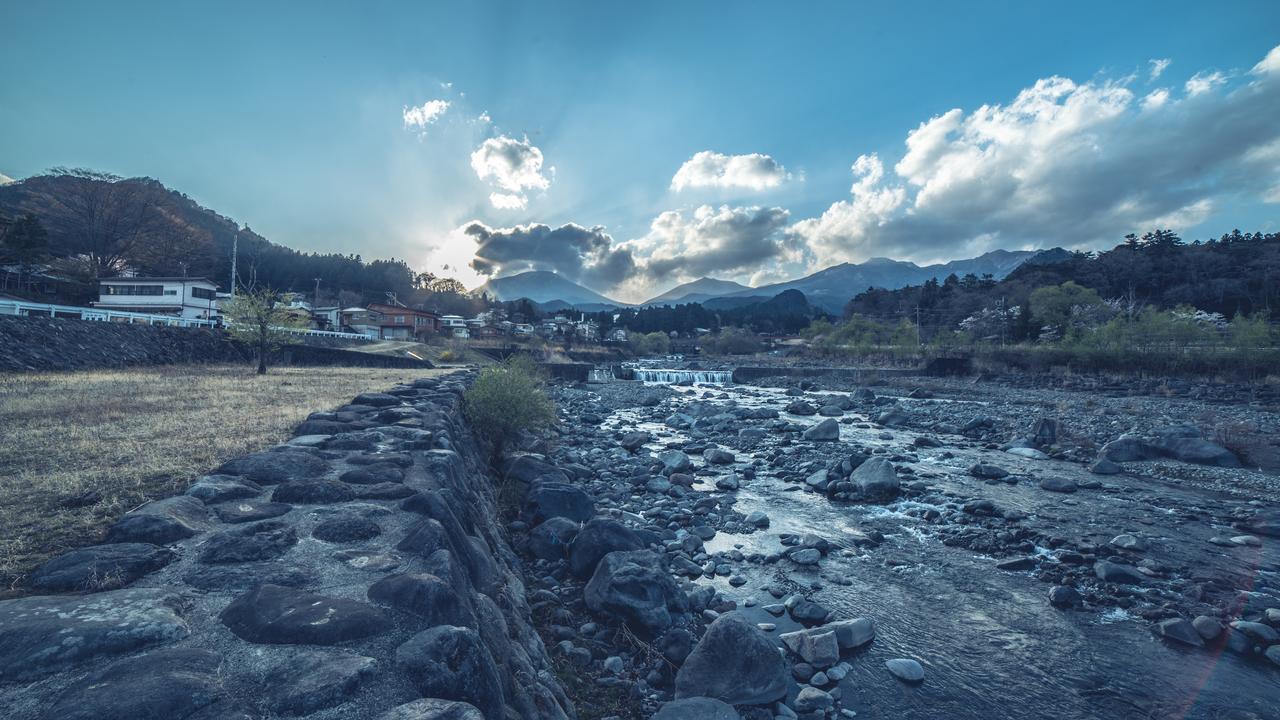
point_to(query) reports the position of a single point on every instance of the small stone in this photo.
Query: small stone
(905, 669)
(1179, 630)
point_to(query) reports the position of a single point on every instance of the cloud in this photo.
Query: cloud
(709, 169)
(512, 166)
(1203, 82)
(1063, 163)
(419, 117)
(710, 241)
(1158, 66)
(582, 254)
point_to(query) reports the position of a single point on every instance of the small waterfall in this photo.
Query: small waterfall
(673, 377)
(600, 375)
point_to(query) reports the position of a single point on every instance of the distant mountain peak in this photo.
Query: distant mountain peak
(543, 286)
(696, 291)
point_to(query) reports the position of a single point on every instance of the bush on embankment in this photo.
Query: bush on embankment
(506, 401)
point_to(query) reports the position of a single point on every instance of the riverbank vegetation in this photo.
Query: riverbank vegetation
(79, 449)
(507, 401)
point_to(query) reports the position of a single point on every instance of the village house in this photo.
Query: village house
(401, 323)
(187, 297)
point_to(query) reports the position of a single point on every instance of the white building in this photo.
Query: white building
(187, 297)
(449, 322)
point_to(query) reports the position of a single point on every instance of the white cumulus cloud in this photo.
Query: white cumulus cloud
(420, 116)
(511, 166)
(1158, 66)
(709, 169)
(1077, 164)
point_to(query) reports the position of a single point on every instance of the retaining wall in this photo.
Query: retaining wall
(356, 569)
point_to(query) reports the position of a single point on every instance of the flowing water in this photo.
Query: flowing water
(992, 646)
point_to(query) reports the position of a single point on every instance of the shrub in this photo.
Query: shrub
(449, 356)
(507, 400)
(655, 343)
(732, 341)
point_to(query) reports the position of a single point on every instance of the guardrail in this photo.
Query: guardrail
(27, 309)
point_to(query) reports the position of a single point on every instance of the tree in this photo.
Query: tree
(507, 400)
(25, 243)
(103, 218)
(257, 318)
(1053, 305)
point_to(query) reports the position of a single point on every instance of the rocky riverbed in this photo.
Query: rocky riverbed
(921, 550)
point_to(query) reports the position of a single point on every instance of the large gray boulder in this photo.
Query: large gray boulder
(171, 683)
(674, 461)
(452, 663)
(43, 634)
(274, 467)
(312, 680)
(1185, 443)
(634, 586)
(598, 538)
(825, 431)
(424, 595)
(433, 709)
(100, 567)
(557, 499)
(734, 662)
(273, 614)
(551, 539)
(876, 478)
(161, 522)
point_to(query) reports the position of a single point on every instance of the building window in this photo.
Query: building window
(203, 293)
(399, 319)
(170, 292)
(134, 290)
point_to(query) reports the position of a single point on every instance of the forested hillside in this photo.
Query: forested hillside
(1236, 274)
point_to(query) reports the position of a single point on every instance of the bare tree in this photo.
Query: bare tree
(103, 218)
(257, 318)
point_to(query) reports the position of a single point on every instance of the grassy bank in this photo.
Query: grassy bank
(135, 435)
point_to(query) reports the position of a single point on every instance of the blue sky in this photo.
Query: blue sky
(572, 136)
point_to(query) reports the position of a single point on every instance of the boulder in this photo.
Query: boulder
(452, 663)
(1117, 573)
(986, 471)
(1064, 596)
(525, 468)
(700, 708)
(433, 709)
(250, 511)
(905, 669)
(345, 529)
(674, 461)
(598, 538)
(734, 662)
(161, 522)
(44, 634)
(876, 478)
(212, 489)
(274, 467)
(556, 499)
(100, 567)
(1185, 443)
(1179, 630)
(273, 614)
(313, 492)
(635, 587)
(260, 541)
(170, 683)
(851, 634)
(424, 595)
(825, 431)
(373, 474)
(1058, 485)
(717, 456)
(800, 407)
(312, 680)
(376, 399)
(551, 539)
(817, 646)
(635, 440)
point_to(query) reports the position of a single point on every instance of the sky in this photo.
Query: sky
(633, 146)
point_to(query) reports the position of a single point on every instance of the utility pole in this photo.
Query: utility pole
(235, 246)
(918, 341)
(315, 299)
(1004, 319)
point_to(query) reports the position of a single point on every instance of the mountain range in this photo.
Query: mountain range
(828, 289)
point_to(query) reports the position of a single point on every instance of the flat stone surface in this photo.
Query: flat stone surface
(238, 577)
(212, 489)
(345, 529)
(261, 541)
(43, 634)
(274, 614)
(100, 567)
(250, 511)
(313, 492)
(433, 709)
(312, 680)
(279, 466)
(171, 683)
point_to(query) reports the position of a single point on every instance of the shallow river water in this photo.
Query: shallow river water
(991, 644)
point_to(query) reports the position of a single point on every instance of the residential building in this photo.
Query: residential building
(401, 323)
(188, 297)
(450, 322)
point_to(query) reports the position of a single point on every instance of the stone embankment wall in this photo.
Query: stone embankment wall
(30, 344)
(357, 571)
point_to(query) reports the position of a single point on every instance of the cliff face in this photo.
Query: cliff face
(354, 570)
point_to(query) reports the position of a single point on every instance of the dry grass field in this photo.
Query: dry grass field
(111, 440)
